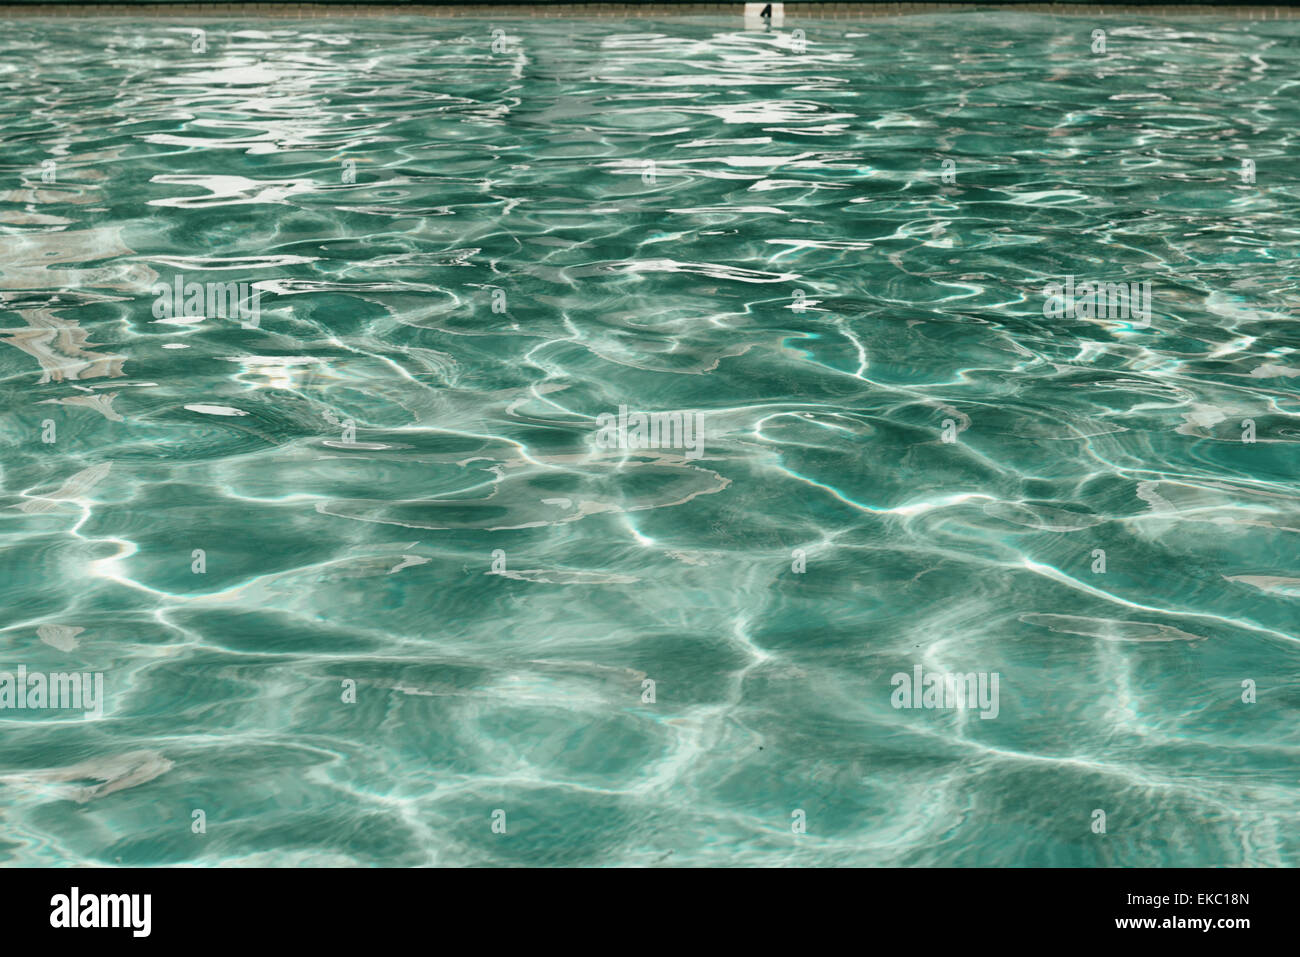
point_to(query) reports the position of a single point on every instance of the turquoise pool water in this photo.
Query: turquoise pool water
(376, 572)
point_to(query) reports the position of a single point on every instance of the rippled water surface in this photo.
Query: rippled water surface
(391, 484)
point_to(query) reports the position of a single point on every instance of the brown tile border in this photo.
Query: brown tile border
(793, 11)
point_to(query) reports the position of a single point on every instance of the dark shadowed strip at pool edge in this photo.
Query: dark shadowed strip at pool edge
(1237, 9)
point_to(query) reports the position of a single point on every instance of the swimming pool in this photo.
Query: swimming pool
(597, 442)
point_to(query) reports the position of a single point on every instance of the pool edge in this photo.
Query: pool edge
(812, 11)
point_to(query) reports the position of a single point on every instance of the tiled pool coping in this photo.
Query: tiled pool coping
(840, 11)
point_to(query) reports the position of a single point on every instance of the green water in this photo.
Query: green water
(372, 566)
